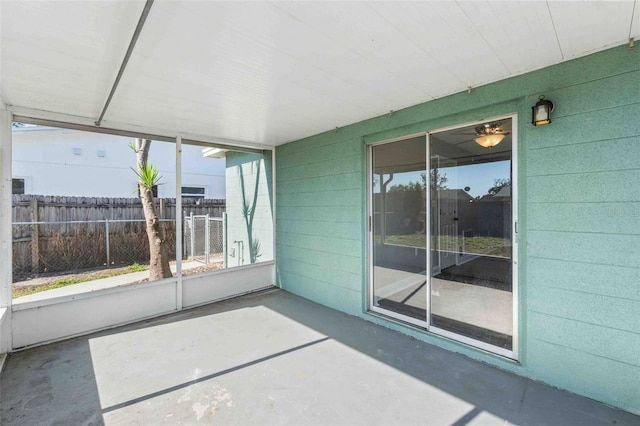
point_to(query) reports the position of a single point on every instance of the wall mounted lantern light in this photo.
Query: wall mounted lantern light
(541, 112)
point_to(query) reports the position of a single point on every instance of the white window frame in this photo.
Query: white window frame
(194, 196)
(25, 183)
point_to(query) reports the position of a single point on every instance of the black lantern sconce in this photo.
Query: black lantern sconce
(541, 112)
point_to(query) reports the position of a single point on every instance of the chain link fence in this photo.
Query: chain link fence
(68, 235)
(72, 246)
(204, 238)
(55, 247)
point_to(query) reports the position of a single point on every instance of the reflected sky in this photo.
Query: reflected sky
(478, 177)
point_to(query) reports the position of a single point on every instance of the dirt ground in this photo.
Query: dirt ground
(204, 268)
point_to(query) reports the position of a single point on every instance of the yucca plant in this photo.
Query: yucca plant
(148, 175)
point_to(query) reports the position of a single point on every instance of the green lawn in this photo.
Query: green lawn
(75, 279)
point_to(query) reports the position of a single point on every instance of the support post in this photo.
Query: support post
(106, 241)
(225, 250)
(192, 235)
(207, 239)
(184, 230)
(6, 235)
(35, 237)
(179, 222)
(273, 218)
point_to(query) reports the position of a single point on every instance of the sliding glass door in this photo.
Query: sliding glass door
(399, 175)
(442, 242)
(471, 275)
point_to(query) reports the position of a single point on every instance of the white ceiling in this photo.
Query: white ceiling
(273, 72)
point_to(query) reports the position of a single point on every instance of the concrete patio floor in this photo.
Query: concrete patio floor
(273, 358)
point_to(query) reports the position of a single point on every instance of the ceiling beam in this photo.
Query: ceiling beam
(125, 61)
(65, 121)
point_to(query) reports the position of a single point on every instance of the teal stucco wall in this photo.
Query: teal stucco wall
(249, 189)
(579, 219)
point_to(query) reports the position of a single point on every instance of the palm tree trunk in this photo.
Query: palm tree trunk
(158, 256)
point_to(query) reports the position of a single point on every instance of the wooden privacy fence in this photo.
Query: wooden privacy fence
(46, 208)
(56, 234)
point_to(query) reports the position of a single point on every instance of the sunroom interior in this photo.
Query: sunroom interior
(245, 79)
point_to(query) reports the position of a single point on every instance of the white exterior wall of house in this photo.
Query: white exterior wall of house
(73, 163)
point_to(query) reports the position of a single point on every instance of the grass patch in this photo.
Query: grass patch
(411, 240)
(25, 291)
(32, 289)
(136, 267)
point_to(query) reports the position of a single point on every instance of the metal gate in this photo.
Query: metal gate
(204, 238)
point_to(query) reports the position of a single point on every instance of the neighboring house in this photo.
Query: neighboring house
(51, 161)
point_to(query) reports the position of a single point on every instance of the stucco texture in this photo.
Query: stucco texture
(579, 219)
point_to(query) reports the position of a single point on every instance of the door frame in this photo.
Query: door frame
(510, 354)
(370, 244)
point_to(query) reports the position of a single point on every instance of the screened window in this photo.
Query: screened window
(192, 192)
(17, 186)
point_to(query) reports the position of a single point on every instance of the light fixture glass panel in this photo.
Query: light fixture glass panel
(488, 141)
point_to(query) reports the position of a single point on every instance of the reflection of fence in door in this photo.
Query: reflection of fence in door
(448, 218)
(204, 238)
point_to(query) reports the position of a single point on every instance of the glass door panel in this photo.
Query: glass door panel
(471, 242)
(399, 180)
